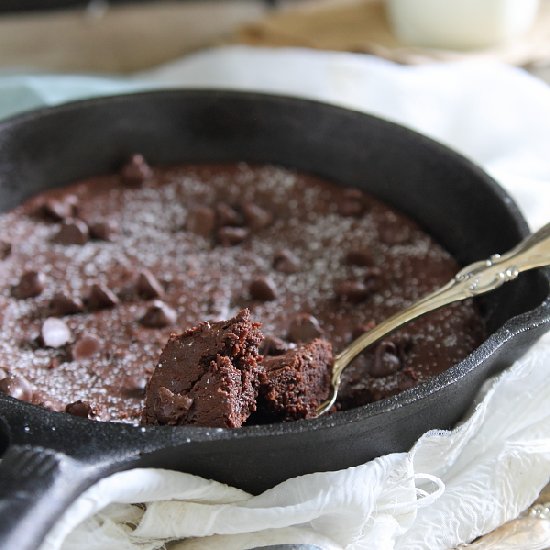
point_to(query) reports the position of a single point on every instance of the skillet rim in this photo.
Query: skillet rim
(511, 329)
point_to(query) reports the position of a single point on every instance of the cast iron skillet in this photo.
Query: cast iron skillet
(53, 457)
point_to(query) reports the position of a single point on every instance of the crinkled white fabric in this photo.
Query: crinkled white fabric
(453, 485)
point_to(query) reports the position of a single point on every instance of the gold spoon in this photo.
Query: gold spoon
(473, 280)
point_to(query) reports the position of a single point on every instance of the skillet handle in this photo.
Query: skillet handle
(36, 486)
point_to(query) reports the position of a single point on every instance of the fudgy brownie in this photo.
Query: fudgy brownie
(207, 376)
(95, 277)
(294, 384)
(211, 376)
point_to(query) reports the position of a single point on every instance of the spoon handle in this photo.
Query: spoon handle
(472, 280)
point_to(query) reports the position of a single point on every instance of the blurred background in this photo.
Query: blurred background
(120, 37)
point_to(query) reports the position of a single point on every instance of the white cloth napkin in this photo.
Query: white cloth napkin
(453, 485)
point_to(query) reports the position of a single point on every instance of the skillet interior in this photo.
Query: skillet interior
(454, 201)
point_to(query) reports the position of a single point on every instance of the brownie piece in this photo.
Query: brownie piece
(207, 376)
(293, 385)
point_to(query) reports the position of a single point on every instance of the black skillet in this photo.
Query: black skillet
(53, 457)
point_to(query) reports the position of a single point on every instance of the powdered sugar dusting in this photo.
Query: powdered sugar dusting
(204, 280)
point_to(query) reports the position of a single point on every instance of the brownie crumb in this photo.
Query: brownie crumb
(80, 408)
(207, 376)
(293, 385)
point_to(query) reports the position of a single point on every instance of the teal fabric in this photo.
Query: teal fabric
(20, 93)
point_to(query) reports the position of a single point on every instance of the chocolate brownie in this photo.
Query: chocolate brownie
(122, 261)
(207, 376)
(293, 385)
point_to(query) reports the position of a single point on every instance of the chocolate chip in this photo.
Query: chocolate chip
(275, 346)
(352, 203)
(100, 297)
(80, 408)
(136, 171)
(86, 346)
(227, 215)
(55, 333)
(263, 288)
(133, 386)
(352, 291)
(17, 387)
(72, 232)
(159, 315)
(63, 304)
(386, 360)
(30, 285)
(286, 262)
(229, 236)
(59, 209)
(304, 328)
(104, 231)
(360, 258)
(201, 220)
(148, 287)
(5, 250)
(255, 216)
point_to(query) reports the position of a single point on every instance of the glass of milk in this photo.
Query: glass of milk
(460, 24)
